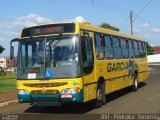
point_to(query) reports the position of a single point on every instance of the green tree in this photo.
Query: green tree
(149, 48)
(1, 49)
(108, 26)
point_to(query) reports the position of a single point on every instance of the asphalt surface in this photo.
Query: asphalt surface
(145, 100)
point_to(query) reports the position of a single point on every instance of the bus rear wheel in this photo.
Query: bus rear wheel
(101, 97)
(135, 84)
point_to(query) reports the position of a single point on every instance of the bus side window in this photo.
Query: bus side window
(99, 46)
(131, 49)
(142, 49)
(87, 54)
(125, 53)
(117, 48)
(136, 49)
(108, 47)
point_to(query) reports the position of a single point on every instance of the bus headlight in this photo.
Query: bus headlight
(71, 90)
(23, 92)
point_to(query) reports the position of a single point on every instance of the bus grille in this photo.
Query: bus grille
(45, 99)
(46, 92)
(40, 85)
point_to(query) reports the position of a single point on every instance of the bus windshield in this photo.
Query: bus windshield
(49, 57)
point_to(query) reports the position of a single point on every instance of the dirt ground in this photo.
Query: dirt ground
(8, 96)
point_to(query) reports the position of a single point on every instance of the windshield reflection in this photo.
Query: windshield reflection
(55, 55)
(61, 50)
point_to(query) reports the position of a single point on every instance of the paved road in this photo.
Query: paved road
(146, 100)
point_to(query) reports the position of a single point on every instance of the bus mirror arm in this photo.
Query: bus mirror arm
(12, 48)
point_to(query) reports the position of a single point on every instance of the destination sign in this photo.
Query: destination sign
(49, 29)
(31, 70)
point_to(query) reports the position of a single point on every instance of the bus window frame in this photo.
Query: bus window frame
(136, 41)
(103, 52)
(142, 44)
(86, 34)
(116, 47)
(108, 35)
(127, 47)
(130, 48)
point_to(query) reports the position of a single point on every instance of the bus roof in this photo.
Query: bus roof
(89, 27)
(50, 23)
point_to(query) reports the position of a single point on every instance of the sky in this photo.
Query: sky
(17, 14)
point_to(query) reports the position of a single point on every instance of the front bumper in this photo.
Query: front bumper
(50, 100)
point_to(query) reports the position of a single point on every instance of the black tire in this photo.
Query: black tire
(101, 97)
(135, 84)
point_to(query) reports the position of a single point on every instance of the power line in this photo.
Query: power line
(131, 15)
(102, 6)
(149, 2)
(94, 4)
(125, 21)
(114, 5)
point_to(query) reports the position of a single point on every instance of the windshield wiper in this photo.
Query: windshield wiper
(57, 38)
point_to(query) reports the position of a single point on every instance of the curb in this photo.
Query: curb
(4, 104)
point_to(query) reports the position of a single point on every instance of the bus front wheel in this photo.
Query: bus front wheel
(101, 97)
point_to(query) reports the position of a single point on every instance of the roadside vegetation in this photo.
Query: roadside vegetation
(155, 63)
(8, 82)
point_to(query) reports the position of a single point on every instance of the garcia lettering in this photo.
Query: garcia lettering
(117, 66)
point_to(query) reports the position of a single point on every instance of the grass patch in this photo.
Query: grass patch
(9, 75)
(155, 63)
(7, 85)
(8, 82)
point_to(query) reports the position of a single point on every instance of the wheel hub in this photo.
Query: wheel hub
(99, 94)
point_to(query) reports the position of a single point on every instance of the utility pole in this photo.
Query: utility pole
(131, 21)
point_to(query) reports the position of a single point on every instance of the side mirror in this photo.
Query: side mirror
(11, 52)
(12, 48)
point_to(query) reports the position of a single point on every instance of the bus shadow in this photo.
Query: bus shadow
(78, 108)
(117, 94)
(64, 109)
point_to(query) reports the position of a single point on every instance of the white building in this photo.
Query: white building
(3, 62)
(7, 63)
